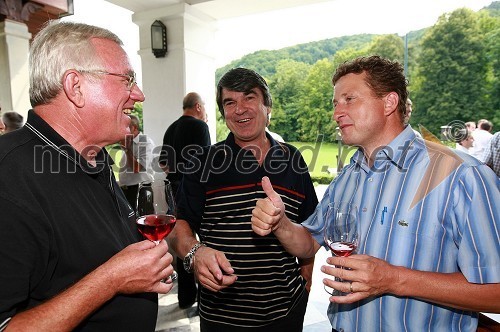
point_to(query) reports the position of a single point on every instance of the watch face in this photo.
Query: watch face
(187, 263)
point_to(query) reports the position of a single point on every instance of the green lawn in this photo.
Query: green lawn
(321, 157)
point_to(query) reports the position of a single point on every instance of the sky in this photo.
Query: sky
(237, 37)
(330, 19)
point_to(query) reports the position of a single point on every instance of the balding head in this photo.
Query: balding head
(193, 105)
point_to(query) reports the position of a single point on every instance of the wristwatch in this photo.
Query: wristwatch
(189, 259)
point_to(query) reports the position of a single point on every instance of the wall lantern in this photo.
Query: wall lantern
(159, 39)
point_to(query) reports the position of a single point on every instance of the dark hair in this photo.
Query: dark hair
(382, 76)
(12, 120)
(485, 125)
(242, 80)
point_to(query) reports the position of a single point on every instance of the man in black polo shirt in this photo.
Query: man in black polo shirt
(249, 282)
(187, 133)
(69, 256)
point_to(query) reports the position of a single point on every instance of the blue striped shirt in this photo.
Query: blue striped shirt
(442, 215)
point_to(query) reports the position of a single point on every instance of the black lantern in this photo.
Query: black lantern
(159, 39)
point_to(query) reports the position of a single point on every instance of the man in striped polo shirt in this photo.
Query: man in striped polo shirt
(249, 282)
(429, 249)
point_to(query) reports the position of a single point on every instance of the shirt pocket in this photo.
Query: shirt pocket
(408, 238)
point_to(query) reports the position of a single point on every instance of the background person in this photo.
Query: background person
(465, 141)
(409, 110)
(491, 155)
(428, 221)
(12, 121)
(249, 283)
(138, 155)
(482, 136)
(277, 137)
(190, 131)
(69, 254)
(471, 125)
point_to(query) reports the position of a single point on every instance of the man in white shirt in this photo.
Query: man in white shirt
(482, 136)
(277, 137)
(138, 157)
(465, 141)
(409, 110)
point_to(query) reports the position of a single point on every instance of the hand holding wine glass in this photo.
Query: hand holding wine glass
(341, 233)
(156, 211)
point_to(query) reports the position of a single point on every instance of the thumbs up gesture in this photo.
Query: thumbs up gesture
(268, 212)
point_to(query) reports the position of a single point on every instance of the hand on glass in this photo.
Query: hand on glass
(156, 215)
(341, 236)
(139, 268)
(363, 276)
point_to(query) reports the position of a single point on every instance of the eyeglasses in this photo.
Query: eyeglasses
(131, 77)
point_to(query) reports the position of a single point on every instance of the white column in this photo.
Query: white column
(14, 76)
(188, 66)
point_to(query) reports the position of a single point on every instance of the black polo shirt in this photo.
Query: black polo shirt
(60, 219)
(217, 196)
(183, 134)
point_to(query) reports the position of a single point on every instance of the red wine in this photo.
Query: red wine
(155, 227)
(342, 249)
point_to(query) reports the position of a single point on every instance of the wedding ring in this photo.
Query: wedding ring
(171, 278)
(350, 287)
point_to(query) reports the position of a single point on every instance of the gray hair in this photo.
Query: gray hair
(190, 100)
(57, 48)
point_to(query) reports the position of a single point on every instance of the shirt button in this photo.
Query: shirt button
(365, 209)
(370, 180)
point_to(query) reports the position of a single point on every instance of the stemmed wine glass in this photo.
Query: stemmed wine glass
(341, 232)
(156, 211)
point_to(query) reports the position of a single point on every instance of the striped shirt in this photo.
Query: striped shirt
(424, 207)
(217, 200)
(491, 155)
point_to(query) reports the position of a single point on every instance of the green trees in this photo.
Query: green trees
(315, 113)
(454, 71)
(388, 46)
(490, 27)
(287, 87)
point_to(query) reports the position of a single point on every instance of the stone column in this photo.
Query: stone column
(14, 76)
(188, 66)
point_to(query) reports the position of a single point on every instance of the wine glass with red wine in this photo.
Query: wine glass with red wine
(156, 211)
(341, 232)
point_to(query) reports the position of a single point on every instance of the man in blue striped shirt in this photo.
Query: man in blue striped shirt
(429, 249)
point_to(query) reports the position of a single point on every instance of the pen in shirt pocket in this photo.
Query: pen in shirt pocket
(384, 211)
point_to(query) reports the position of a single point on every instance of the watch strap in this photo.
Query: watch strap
(189, 259)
